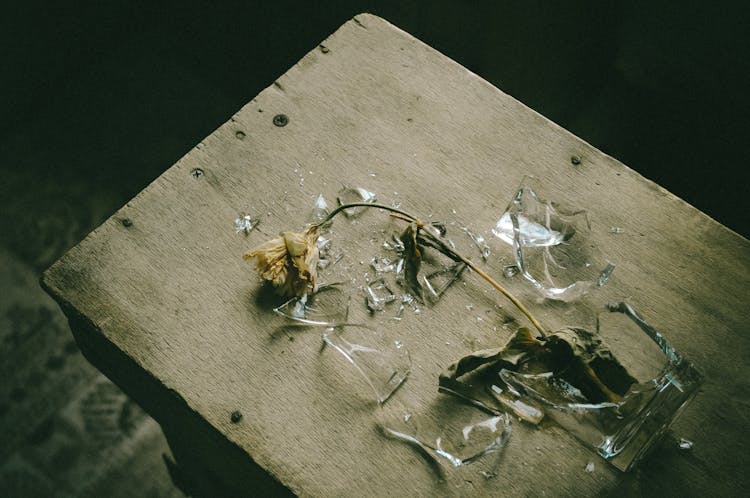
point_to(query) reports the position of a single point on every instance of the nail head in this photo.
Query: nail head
(280, 120)
(127, 222)
(236, 416)
(575, 160)
(239, 134)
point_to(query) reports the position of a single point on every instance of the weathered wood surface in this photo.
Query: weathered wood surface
(168, 309)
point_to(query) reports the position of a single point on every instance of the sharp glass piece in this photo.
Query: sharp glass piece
(438, 282)
(328, 306)
(349, 195)
(383, 363)
(319, 211)
(378, 295)
(552, 246)
(456, 436)
(479, 242)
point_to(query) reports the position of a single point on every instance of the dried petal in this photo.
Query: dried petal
(289, 262)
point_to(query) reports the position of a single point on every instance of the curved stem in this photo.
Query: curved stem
(506, 293)
(364, 204)
(447, 251)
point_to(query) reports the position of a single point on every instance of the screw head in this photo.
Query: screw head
(575, 160)
(236, 416)
(281, 120)
(127, 222)
(196, 172)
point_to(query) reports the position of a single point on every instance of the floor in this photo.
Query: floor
(104, 99)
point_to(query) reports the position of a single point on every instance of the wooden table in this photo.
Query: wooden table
(160, 299)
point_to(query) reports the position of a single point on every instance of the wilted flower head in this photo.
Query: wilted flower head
(289, 261)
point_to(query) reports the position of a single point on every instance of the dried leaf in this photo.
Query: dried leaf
(575, 354)
(412, 259)
(508, 356)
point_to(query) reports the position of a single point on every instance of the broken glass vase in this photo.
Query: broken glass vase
(622, 431)
(551, 245)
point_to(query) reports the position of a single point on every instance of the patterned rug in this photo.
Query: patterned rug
(65, 430)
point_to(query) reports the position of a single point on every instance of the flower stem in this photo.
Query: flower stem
(364, 204)
(507, 294)
(448, 251)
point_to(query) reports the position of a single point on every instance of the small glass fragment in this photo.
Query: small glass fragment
(590, 467)
(522, 409)
(510, 271)
(488, 474)
(616, 230)
(395, 244)
(245, 223)
(378, 295)
(385, 364)
(349, 195)
(326, 259)
(324, 246)
(319, 211)
(383, 265)
(328, 306)
(479, 242)
(552, 246)
(438, 282)
(456, 436)
(685, 444)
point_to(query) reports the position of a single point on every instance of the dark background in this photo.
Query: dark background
(107, 95)
(98, 98)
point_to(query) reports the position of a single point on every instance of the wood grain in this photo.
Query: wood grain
(167, 308)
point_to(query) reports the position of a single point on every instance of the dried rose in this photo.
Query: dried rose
(289, 261)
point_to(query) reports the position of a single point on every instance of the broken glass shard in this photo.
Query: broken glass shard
(383, 363)
(324, 246)
(685, 444)
(510, 271)
(328, 306)
(349, 195)
(479, 242)
(616, 230)
(245, 223)
(383, 265)
(450, 433)
(436, 283)
(520, 407)
(531, 234)
(319, 211)
(552, 245)
(394, 244)
(378, 295)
